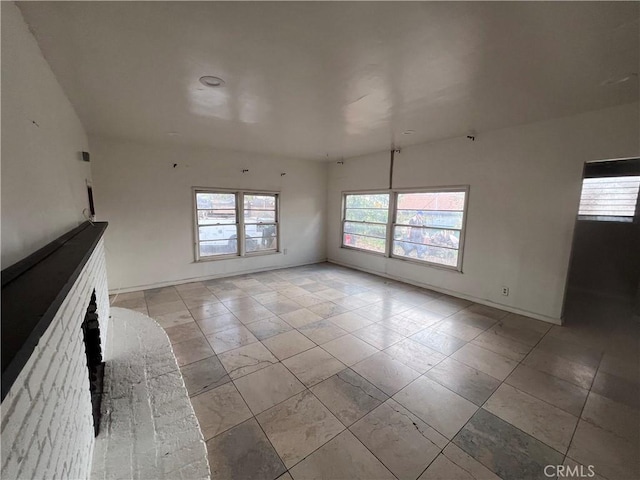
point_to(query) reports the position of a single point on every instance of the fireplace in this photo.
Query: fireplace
(95, 365)
(55, 307)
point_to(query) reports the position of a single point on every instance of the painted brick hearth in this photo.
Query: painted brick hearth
(47, 427)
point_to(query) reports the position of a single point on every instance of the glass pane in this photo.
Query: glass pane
(451, 201)
(442, 256)
(609, 196)
(430, 218)
(217, 232)
(213, 217)
(259, 202)
(218, 247)
(367, 215)
(257, 216)
(428, 236)
(364, 243)
(380, 200)
(216, 200)
(261, 237)
(368, 229)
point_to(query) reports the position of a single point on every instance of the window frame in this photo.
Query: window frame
(240, 223)
(344, 220)
(392, 222)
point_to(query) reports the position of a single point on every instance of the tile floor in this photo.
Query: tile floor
(326, 372)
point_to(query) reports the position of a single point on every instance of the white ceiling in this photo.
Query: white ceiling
(312, 79)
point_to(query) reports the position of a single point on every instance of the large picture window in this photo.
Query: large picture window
(221, 215)
(365, 221)
(423, 226)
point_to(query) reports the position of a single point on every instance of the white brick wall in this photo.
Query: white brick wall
(47, 429)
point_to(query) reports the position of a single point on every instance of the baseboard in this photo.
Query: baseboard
(488, 303)
(170, 283)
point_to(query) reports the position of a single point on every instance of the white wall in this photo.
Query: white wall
(149, 207)
(43, 176)
(525, 187)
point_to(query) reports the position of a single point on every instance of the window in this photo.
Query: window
(423, 226)
(365, 220)
(609, 198)
(219, 220)
(428, 226)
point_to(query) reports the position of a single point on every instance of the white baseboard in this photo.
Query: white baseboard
(489, 303)
(170, 283)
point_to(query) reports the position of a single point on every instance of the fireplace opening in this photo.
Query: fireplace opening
(95, 365)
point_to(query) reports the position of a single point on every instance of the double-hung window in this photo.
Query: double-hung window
(365, 221)
(425, 225)
(221, 215)
(428, 226)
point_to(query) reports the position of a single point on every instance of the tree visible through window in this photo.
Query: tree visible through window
(365, 221)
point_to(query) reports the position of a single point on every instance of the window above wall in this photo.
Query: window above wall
(610, 191)
(424, 226)
(221, 215)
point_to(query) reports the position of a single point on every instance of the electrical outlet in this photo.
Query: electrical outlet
(505, 291)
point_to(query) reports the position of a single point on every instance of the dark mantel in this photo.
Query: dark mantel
(33, 290)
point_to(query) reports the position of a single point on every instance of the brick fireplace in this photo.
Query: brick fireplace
(47, 425)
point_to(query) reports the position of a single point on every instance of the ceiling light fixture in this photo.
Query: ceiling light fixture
(211, 81)
(408, 132)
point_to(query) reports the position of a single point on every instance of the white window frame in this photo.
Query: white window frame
(344, 220)
(392, 222)
(240, 223)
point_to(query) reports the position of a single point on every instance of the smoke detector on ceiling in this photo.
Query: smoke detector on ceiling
(211, 81)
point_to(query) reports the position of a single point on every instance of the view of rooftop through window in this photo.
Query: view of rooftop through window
(609, 197)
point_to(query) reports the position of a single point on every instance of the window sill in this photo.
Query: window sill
(236, 257)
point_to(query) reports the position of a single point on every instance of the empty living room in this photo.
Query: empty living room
(320, 240)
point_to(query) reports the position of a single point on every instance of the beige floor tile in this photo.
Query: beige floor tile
(533, 416)
(402, 325)
(485, 360)
(384, 372)
(415, 355)
(298, 426)
(572, 372)
(267, 387)
(350, 321)
(436, 405)
(458, 329)
(398, 438)
(230, 338)
(378, 336)
(192, 350)
(344, 457)
(157, 309)
(247, 359)
(173, 319)
(506, 347)
(253, 314)
(612, 456)
(454, 464)
(349, 349)
(186, 331)
(553, 390)
(300, 318)
(612, 416)
(490, 312)
(218, 323)
(322, 331)
(348, 396)
(209, 310)
(288, 344)
(219, 410)
(313, 366)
